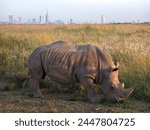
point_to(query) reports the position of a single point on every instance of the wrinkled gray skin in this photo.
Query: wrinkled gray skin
(66, 63)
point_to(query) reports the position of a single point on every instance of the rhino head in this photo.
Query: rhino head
(112, 88)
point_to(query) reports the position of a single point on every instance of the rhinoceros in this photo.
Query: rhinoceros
(65, 63)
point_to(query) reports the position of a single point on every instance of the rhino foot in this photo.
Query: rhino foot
(39, 96)
(95, 100)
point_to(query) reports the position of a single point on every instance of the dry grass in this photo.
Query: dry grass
(127, 43)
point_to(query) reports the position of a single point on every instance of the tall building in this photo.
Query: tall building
(28, 21)
(10, 19)
(20, 20)
(102, 19)
(40, 19)
(34, 21)
(46, 17)
(71, 21)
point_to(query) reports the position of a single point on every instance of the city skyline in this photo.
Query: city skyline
(42, 19)
(45, 19)
(80, 11)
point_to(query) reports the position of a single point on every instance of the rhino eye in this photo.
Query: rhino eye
(115, 69)
(112, 87)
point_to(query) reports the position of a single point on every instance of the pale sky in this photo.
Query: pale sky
(78, 10)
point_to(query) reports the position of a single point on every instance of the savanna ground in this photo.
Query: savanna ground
(129, 44)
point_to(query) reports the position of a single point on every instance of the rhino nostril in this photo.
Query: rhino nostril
(121, 96)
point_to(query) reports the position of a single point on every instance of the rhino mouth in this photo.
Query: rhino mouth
(118, 99)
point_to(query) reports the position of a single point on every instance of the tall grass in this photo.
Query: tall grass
(129, 44)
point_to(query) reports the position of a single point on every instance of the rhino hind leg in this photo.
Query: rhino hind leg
(36, 74)
(89, 86)
(35, 88)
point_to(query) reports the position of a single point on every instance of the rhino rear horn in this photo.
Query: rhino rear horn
(122, 85)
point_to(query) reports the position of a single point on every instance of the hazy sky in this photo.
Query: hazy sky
(78, 10)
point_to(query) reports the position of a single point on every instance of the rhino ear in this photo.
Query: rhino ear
(114, 68)
(116, 64)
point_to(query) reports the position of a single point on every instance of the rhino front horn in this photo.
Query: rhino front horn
(127, 92)
(124, 94)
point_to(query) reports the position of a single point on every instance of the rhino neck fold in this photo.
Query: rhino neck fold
(99, 72)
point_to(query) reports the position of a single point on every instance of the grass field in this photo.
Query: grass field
(129, 44)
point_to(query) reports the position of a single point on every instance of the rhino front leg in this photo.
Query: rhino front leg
(35, 88)
(89, 86)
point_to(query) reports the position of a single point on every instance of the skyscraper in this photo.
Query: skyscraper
(102, 19)
(34, 21)
(29, 22)
(71, 21)
(10, 19)
(40, 19)
(20, 20)
(46, 17)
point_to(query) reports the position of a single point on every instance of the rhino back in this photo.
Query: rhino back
(66, 63)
